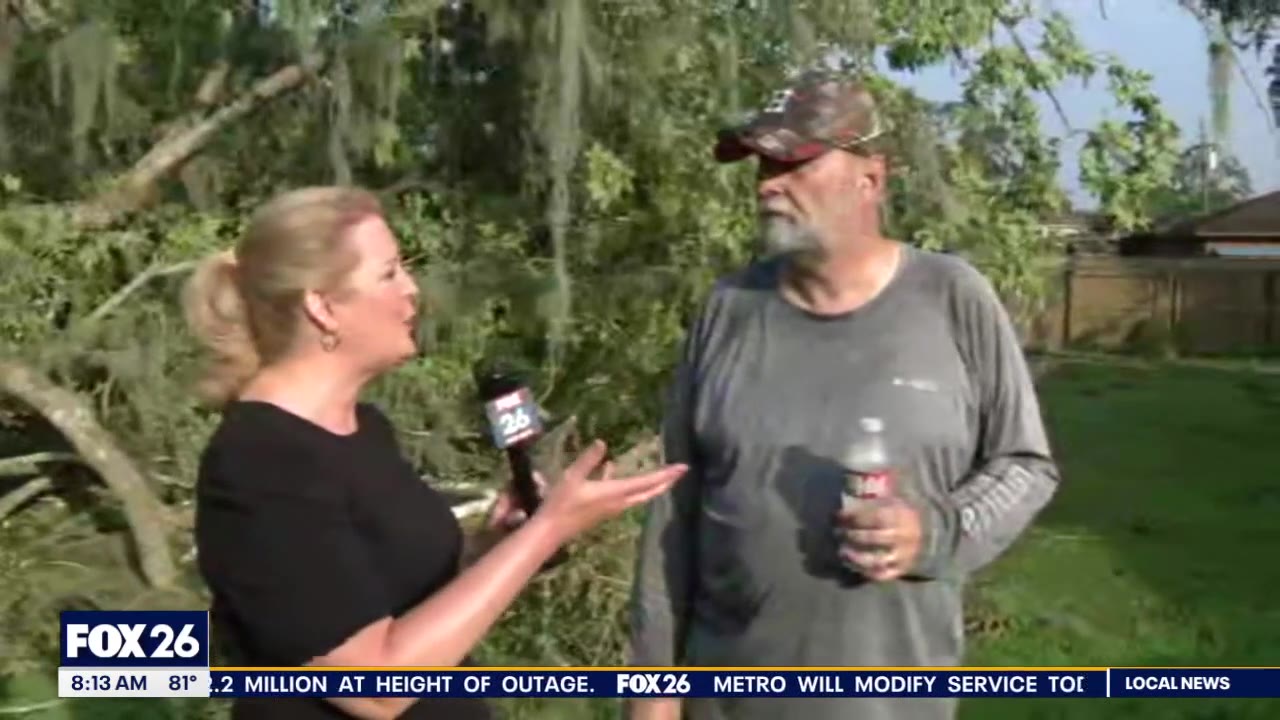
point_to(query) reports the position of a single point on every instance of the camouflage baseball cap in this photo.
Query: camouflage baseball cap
(817, 112)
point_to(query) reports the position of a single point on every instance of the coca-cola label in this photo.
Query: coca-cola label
(870, 485)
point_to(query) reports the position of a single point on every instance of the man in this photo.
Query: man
(758, 558)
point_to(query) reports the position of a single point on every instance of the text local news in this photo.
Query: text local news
(156, 654)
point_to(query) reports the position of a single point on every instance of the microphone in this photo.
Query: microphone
(514, 425)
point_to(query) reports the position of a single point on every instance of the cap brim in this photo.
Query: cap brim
(734, 144)
(731, 145)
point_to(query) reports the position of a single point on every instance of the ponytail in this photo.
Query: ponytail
(217, 315)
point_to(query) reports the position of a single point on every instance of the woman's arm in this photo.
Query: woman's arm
(443, 629)
(440, 631)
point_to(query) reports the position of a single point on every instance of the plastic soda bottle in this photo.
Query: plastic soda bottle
(868, 467)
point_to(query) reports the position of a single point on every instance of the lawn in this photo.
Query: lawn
(1160, 548)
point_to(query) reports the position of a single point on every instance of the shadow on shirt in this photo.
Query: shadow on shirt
(812, 487)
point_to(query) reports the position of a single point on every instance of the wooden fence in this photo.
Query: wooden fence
(1189, 306)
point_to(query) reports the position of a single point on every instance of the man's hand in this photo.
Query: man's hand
(881, 537)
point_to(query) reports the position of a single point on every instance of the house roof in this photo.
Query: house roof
(1256, 217)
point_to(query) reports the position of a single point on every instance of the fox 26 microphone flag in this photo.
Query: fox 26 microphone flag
(166, 654)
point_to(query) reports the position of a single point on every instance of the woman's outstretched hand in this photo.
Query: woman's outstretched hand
(579, 502)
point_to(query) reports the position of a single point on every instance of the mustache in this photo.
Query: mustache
(776, 215)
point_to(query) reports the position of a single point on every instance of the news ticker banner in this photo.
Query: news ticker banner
(166, 654)
(676, 682)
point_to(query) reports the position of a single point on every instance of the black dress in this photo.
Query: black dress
(305, 536)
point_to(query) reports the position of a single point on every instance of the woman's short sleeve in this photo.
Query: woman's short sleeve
(277, 548)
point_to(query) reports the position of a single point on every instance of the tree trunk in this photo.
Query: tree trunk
(131, 190)
(99, 450)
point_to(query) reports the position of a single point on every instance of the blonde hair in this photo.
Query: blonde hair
(243, 304)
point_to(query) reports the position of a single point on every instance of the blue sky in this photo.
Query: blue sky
(1159, 37)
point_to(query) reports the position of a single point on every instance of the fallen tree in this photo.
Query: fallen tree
(97, 448)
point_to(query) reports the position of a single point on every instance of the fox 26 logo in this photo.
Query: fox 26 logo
(652, 683)
(161, 638)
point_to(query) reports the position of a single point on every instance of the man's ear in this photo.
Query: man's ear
(874, 175)
(319, 312)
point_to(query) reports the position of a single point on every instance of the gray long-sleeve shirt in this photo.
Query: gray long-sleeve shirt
(738, 565)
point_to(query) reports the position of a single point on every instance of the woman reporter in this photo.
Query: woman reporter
(318, 541)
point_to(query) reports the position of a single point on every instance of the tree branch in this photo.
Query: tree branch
(19, 495)
(211, 87)
(31, 707)
(1253, 90)
(131, 287)
(99, 450)
(411, 182)
(1026, 54)
(24, 464)
(32, 16)
(479, 506)
(130, 191)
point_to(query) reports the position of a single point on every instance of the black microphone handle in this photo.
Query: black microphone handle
(525, 486)
(526, 489)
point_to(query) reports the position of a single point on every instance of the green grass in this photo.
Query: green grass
(1160, 547)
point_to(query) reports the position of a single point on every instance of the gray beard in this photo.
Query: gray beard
(783, 236)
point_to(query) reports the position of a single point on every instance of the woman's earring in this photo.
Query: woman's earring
(329, 341)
